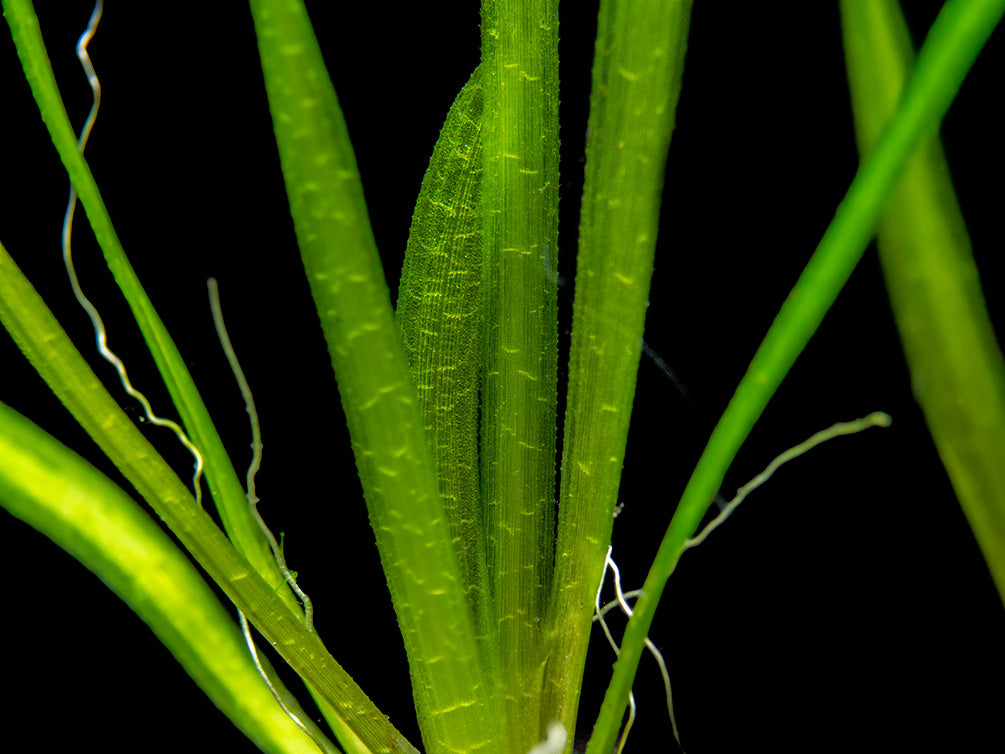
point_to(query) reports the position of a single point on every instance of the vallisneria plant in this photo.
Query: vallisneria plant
(451, 393)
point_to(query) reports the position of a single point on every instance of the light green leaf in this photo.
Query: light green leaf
(52, 489)
(957, 371)
(454, 697)
(439, 315)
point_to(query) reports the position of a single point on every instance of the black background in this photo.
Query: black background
(846, 605)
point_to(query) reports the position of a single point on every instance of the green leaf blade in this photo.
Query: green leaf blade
(519, 390)
(957, 370)
(638, 65)
(453, 695)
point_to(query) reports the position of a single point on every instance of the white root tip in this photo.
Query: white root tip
(557, 738)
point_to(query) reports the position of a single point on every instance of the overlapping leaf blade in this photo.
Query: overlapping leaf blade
(439, 315)
(959, 33)
(957, 370)
(227, 491)
(49, 487)
(453, 693)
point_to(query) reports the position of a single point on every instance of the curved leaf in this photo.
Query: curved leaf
(439, 316)
(53, 490)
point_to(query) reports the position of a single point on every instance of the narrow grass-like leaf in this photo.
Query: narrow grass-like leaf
(638, 63)
(956, 37)
(454, 697)
(439, 315)
(520, 209)
(957, 371)
(223, 481)
(50, 488)
(50, 351)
